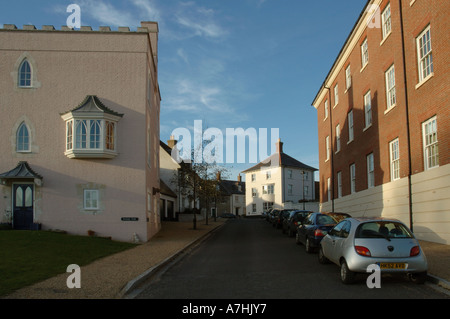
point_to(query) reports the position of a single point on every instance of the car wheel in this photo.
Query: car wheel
(322, 258)
(308, 247)
(418, 278)
(347, 276)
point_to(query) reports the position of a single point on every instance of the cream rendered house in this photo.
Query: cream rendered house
(280, 182)
(80, 130)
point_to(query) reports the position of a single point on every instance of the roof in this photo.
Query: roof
(280, 160)
(92, 104)
(165, 190)
(21, 171)
(232, 187)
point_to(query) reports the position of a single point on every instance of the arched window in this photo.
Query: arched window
(25, 75)
(23, 138)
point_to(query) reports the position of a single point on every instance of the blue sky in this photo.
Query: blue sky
(230, 63)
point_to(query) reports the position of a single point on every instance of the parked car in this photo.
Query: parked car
(313, 229)
(356, 243)
(228, 215)
(273, 215)
(294, 219)
(278, 221)
(338, 216)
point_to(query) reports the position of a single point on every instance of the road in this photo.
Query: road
(249, 259)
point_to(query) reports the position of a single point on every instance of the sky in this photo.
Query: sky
(227, 63)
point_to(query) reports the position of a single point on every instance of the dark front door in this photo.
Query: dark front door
(23, 206)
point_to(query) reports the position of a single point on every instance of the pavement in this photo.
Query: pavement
(113, 277)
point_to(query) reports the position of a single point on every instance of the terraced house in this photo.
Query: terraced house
(383, 118)
(80, 130)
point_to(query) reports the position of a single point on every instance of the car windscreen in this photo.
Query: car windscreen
(382, 229)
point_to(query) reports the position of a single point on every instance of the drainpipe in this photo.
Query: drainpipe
(408, 137)
(330, 112)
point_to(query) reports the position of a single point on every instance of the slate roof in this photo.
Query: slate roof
(231, 187)
(280, 160)
(21, 171)
(92, 103)
(165, 190)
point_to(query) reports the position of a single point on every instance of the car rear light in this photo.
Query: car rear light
(320, 232)
(363, 251)
(296, 223)
(414, 251)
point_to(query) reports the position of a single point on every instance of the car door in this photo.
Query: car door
(341, 239)
(305, 227)
(329, 242)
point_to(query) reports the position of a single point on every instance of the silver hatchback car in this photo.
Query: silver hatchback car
(356, 243)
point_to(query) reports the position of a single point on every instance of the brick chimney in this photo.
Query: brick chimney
(279, 145)
(172, 142)
(239, 178)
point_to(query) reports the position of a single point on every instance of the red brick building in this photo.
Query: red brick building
(383, 118)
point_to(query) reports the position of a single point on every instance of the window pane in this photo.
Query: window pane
(19, 197)
(23, 139)
(28, 197)
(81, 137)
(94, 136)
(25, 74)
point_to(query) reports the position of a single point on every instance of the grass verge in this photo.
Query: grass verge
(27, 257)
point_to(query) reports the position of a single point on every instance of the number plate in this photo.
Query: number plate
(392, 265)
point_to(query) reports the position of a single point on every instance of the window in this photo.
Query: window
(338, 138)
(305, 191)
(253, 208)
(327, 145)
(326, 109)
(336, 94)
(290, 189)
(364, 53)
(367, 110)
(91, 199)
(268, 175)
(339, 181)
(91, 130)
(267, 206)
(390, 87)
(353, 178)
(290, 175)
(348, 77)
(370, 171)
(23, 139)
(350, 126)
(329, 188)
(254, 192)
(253, 177)
(386, 21)
(430, 143)
(268, 189)
(25, 75)
(424, 54)
(395, 159)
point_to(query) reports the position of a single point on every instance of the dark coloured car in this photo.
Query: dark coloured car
(278, 221)
(294, 220)
(313, 229)
(273, 215)
(227, 215)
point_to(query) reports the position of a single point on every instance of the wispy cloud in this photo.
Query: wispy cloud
(106, 13)
(200, 20)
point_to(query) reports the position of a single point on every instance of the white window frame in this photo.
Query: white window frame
(253, 177)
(370, 171)
(367, 110)
(254, 192)
(329, 188)
(20, 140)
(339, 182)
(348, 77)
(351, 132)
(326, 109)
(338, 138)
(87, 202)
(364, 53)
(28, 74)
(424, 54)
(430, 143)
(386, 21)
(353, 178)
(391, 98)
(327, 147)
(394, 155)
(336, 95)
